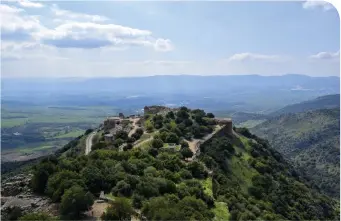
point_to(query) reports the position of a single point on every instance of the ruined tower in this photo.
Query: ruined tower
(227, 122)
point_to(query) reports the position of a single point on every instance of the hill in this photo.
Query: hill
(232, 176)
(311, 141)
(324, 102)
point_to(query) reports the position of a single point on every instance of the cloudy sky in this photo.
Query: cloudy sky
(93, 38)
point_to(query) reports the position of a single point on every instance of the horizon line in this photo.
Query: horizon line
(163, 75)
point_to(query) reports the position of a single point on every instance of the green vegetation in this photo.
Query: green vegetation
(235, 177)
(71, 134)
(39, 130)
(221, 211)
(263, 187)
(37, 216)
(311, 141)
(120, 209)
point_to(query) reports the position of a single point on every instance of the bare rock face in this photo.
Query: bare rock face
(15, 185)
(18, 199)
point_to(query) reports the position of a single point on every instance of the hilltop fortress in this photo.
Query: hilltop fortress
(155, 109)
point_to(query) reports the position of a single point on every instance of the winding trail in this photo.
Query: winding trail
(88, 143)
(131, 132)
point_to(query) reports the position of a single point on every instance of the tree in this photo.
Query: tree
(183, 144)
(120, 209)
(131, 140)
(118, 142)
(75, 201)
(139, 131)
(88, 131)
(122, 189)
(129, 146)
(157, 143)
(186, 152)
(93, 178)
(172, 138)
(59, 182)
(197, 169)
(170, 115)
(121, 134)
(163, 136)
(182, 114)
(41, 175)
(137, 201)
(37, 216)
(210, 115)
(136, 136)
(98, 146)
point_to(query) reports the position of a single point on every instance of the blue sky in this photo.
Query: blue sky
(92, 38)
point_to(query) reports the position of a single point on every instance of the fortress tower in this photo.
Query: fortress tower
(227, 122)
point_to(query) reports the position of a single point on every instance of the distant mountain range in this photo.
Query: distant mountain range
(242, 93)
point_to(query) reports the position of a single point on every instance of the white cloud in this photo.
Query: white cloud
(311, 4)
(75, 30)
(29, 4)
(65, 14)
(93, 35)
(326, 55)
(163, 45)
(17, 26)
(251, 56)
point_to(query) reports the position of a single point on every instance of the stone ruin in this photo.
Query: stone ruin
(155, 109)
(227, 122)
(111, 123)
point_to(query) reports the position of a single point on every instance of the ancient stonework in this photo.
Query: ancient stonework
(110, 123)
(155, 109)
(227, 122)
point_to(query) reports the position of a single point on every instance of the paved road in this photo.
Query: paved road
(88, 143)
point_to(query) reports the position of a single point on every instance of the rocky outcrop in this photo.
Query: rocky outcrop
(15, 185)
(17, 197)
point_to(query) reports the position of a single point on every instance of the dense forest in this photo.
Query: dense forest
(311, 140)
(236, 177)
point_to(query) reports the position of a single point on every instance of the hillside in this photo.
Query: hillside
(324, 102)
(310, 140)
(233, 176)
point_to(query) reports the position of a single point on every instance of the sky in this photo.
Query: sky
(124, 39)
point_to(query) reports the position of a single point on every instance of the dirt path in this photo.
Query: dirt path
(134, 127)
(194, 144)
(145, 141)
(98, 208)
(88, 143)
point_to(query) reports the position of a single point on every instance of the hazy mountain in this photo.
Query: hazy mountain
(324, 102)
(248, 93)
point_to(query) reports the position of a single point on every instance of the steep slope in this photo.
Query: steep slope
(311, 141)
(257, 183)
(323, 102)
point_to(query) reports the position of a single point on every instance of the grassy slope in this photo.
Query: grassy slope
(311, 141)
(240, 174)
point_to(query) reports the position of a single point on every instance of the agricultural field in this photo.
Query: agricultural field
(28, 132)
